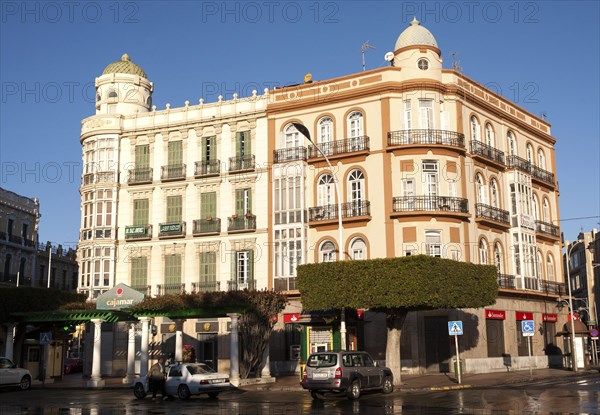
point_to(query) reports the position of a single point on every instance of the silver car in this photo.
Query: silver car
(347, 372)
(11, 375)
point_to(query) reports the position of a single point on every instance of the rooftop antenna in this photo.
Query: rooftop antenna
(364, 47)
(544, 115)
(456, 63)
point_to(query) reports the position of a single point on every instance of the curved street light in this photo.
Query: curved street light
(573, 348)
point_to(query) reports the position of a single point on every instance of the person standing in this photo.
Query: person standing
(157, 378)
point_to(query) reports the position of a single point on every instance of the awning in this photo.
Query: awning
(580, 328)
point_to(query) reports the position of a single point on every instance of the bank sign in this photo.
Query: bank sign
(119, 297)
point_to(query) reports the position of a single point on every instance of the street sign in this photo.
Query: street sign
(594, 332)
(45, 338)
(455, 328)
(528, 328)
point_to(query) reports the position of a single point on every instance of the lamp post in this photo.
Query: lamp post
(304, 131)
(573, 349)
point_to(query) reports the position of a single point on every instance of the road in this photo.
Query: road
(567, 395)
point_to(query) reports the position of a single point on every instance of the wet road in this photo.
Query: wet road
(571, 395)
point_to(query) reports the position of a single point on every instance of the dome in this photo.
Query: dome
(125, 66)
(415, 35)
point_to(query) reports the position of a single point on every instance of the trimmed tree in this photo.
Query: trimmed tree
(396, 286)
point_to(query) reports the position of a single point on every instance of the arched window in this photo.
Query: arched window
(475, 129)
(98, 97)
(547, 211)
(498, 258)
(325, 190)
(539, 271)
(541, 159)
(483, 251)
(480, 188)
(355, 124)
(535, 207)
(550, 268)
(327, 252)
(112, 95)
(291, 137)
(495, 199)
(356, 192)
(325, 130)
(149, 101)
(530, 154)
(512, 147)
(489, 135)
(358, 249)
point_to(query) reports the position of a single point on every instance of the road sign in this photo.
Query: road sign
(528, 328)
(594, 332)
(455, 328)
(45, 338)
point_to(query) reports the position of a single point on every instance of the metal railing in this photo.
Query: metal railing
(175, 288)
(209, 225)
(207, 168)
(489, 152)
(430, 203)
(542, 174)
(206, 286)
(144, 289)
(172, 172)
(285, 283)
(171, 229)
(547, 228)
(140, 175)
(506, 281)
(241, 163)
(241, 223)
(349, 145)
(440, 137)
(138, 232)
(552, 287)
(289, 154)
(491, 212)
(349, 210)
(234, 285)
(516, 162)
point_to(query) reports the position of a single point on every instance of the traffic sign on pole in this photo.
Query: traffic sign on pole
(528, 328)
(455, 328)
(45, 338)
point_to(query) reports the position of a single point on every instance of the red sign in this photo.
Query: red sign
(495, 314)
(551, 318)
(360, 314)
(291, 318)
(522, 315)
(575, 317)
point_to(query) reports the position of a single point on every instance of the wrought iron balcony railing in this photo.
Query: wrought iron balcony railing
(138, 232)
(542, 174)
(547, 228)
(412, 137)
(207, 168)
(206, 286)
(350, 145)
(506, 281)
(172, 172)
(235, 285)
(241, 223)
(491, 212)
(349, 210)
(140, 175)
(516, 162)
(169, 229)
(207, 226)
(143, 288)
(174, 288)
(289, 154)
(486, 151)
(430, 203)
(241, 163)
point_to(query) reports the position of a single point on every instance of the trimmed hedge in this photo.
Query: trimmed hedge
(418, 282)
(24, 299)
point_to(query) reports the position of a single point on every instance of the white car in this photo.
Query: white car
(186, 379)
(11, 375)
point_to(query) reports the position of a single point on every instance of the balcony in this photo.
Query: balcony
(546, 230)
(206, 168)
(242, 163)
(426, 138)
(516, 162)
(506, 281)
(140, 175)
(289, 154)
(430, 204)
(551, 287)
(206, 286)
(356, 209)
(172, 172)
(245, 223)
(239, 286)
(144, 289)
(492, 215)
(15, 239)
(487, 153)
(171, 230)
(138, 232)
(175, 288)
(285, 284)
(542, 175)
(209, 226)
(338, 147)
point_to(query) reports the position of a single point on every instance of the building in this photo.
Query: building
(426, 161)
(64, 271)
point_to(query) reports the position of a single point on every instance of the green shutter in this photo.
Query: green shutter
(234, 267)
(243, 147)
(142, 156)
(250, 266)
(208, 264)
(249, 207)
(239, 202)
(139, 272)
(205, 144)
(140, 212)
(175, 153)
(174, 209)
(209, 148)
(208, 205)
(172, 269)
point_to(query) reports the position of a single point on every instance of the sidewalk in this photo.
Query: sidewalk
(437, 381)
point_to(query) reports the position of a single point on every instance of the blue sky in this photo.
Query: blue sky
(543, 55)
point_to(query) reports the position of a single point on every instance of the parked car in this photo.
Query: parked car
(72, 365)
(186, 379)
(11, 375)
(349, 372)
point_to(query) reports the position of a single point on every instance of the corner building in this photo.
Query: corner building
(427, 161)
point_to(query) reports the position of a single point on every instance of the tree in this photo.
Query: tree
(396, 286)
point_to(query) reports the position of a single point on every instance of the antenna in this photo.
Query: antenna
(456, 63)
(364, 47)
(544, 115)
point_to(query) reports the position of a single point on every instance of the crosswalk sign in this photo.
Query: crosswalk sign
(455, 328)
(45, 338)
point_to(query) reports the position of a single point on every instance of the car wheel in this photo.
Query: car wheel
(354, 390)
(25, 383)
(388, 385)
(139, 391)
(213, 395)
(314, 395)
(183, 392)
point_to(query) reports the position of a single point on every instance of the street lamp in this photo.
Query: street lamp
(573, 349)
(304, 131)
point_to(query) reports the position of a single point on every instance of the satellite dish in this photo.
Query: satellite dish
(389, 56)
(307, 78)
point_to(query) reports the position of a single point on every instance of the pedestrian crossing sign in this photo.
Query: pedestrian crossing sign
(455, 328)
(45, 338)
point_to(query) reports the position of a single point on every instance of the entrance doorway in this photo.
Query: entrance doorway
(207, 350)
(437, 344)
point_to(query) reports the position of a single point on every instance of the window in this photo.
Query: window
(291, 137)
(208, 271)
(287, 195)
(327, 252)
(480, 189)
(535, 207)
(498, 258)
(489, 135)
(24, 228)
(208, 205)
(547, 211)
(550, 268)
(325, 130)
(325, 190)
(287, 252)
(356, 186)
(174, 209)
(209, 148)
(112, 95)
(358, 249)
(539, 271)
(408, 191)
(541, 159)
(242, 144)
(512, 148)
(430, 173)
(355, 124)
(423, 64)
(101, 266)
(433, 243)
(530, 154)
(494, 334)
(244, 271)
(243, 201)
(426, 114)
(140, 212)
(142, 156)
(175, 153)
(172, 273)
(475, 129)
(139, 274)
(494, 193)
(483, 252)
(522, 341)
(407, 115)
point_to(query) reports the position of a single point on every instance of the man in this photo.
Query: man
(157, 378)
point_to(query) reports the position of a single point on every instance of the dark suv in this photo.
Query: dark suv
(347, 372)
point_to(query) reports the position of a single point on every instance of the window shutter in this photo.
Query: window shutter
(234, 266)
(174, 208)
(208, 205)
(205, 141)
(239, 201)
(142, 156)
(239, 144)
(250, 265)
(249, 207)
(140, 212)
(175, 153)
